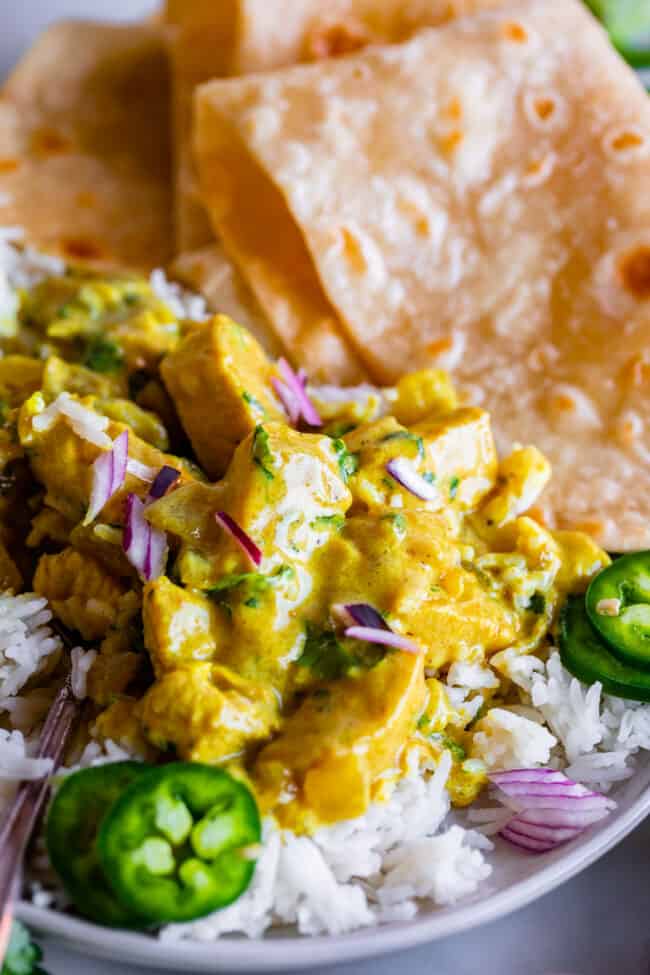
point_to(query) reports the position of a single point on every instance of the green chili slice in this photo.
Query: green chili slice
(586, 655)
(180, 842)
(73, 823)
(618, 604)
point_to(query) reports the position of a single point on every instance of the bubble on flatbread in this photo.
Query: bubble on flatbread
(571, 410)
(539, 170)
(545, 110)
(625, 143)
(633, 269)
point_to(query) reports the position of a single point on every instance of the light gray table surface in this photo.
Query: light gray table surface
(598, 924)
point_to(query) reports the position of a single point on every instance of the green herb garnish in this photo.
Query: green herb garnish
(348, 463)
(23, 955)
(254, 402)
(324, 655)
(408, 437)
(102, 355)
(262, 454)
(337, 522)
(453, 487)
(398, 520)
(429, 477)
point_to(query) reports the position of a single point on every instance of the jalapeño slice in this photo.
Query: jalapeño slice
(618, 604)
(73, 823)
(181, 842)
(586, 655)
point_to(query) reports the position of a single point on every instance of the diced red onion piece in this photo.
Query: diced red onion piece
(550, 809)
(364, 614)
(302, 377)
(109, 473)
(165, 478)
(403, 471)
(145, 546)
(245, 542)
(307, 409)
(288, 400)
(385, 638)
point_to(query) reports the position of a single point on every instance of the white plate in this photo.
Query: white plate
(518, 878)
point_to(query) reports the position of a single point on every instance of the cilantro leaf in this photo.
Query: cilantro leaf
(324, 655)
(254, 402)
(337, 522)
(348, 463)
(102, 355)
(23, 955)
(409, 438)
(537, 603)
(453, 487)
(262, 453)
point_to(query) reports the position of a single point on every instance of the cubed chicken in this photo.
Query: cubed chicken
(82, 594)
(220, 380)
(460, 454)
(344, 735)
(208, 713)
(180, 627)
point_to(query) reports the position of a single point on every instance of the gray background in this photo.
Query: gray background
(597, 924)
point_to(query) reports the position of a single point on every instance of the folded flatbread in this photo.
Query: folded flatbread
(85, 145)
(478, 197)
(222, 38)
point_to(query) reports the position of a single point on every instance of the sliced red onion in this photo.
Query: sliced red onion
(288, 400)
(387, 638)
(295, 384)
(165, 478)
(366, 615)
(302, 378)
(145, 546)
(245, 542)
(403, 471)
(109, 473)
(549, 808)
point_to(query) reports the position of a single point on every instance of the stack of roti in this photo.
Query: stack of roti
(375, 186)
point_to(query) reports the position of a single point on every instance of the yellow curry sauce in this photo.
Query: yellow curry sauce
(220, 662)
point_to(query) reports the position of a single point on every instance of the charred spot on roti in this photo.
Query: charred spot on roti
(83, 249)
(453, 110)
(539, 170)
(545, 110)
(633, 271)
(637, 371)
(629, 428)
(47, 141)
(446, 351)
(9, 165)
(335, 40)
(449, 142)
(515, 32)
(626, 143)
(571, 410)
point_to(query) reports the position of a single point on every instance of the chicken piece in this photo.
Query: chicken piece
(62, 449)
(10, 577)
(418, 395)
(581, 558)
(180, 627)
(60, 376)
(460, 453)
(220, 380)
(82, 594)
(111, 674)
(280, 487)
(20, 376)
(208, 713)
(521, 478)
(322, 766)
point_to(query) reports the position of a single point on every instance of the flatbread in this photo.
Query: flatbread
(211, 39)
(478, 197)
(85, 145)
(210, 272)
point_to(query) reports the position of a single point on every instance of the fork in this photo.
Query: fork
(28, 805)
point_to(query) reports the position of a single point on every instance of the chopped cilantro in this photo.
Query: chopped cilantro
(338, 430)
(458, 753)
(324, 655)
(23, 955)
(409, 437)
(453, 487)
(348, 463)
(337, 522)
(252, 401)
(102, 355)
(262, 454)
(398, 520)
(429, 477)
(256, 583)
(537, 603)
(255, 579)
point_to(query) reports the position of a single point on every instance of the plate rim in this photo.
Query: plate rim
(277, 953)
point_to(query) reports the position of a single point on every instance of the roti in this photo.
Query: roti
(237, 37)
(85, 145)
(496, 221)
